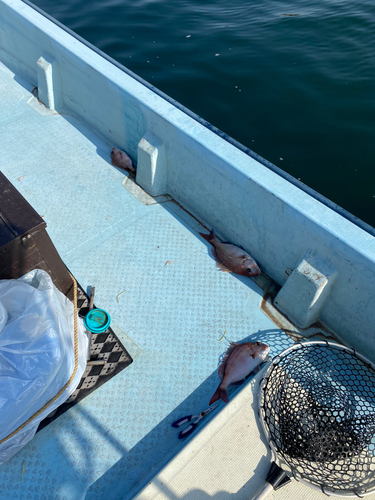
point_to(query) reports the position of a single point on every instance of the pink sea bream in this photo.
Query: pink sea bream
(122, 160)
(231, 258)
(239, 361)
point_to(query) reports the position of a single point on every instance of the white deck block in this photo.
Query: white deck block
(151, 165)
(305, 292)
(49, 91)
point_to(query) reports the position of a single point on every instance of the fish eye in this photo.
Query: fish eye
(257, 343)
(248, 270)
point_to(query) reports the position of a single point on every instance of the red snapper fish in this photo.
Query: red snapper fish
(121, 160)
(231, 258)
(239, 361)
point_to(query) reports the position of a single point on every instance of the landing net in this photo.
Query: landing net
(317, 404)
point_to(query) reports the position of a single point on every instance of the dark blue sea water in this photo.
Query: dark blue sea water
(294, 81)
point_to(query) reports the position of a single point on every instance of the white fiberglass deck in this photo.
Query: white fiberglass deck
(173, 311)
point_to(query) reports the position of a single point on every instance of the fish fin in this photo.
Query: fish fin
(233, 245)
(219, 394)
(227, 355)
(219, 264)
(239, 382)
(209, 237)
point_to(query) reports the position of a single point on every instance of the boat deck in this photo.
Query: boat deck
(170, 306)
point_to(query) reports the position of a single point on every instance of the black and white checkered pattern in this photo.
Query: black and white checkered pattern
(107, 358)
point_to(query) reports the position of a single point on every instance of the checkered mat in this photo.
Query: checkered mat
(107, 358)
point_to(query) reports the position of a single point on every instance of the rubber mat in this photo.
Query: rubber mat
(108, 357)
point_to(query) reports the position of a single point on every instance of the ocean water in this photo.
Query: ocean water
(293, 81)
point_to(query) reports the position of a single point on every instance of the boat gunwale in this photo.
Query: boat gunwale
(288, 177)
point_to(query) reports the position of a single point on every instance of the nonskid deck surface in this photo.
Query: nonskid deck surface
(171, 307)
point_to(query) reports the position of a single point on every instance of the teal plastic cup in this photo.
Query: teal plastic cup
(97, 320)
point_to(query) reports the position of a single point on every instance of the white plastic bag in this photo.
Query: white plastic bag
(37, 356)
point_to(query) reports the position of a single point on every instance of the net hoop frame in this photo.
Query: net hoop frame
(270, 443)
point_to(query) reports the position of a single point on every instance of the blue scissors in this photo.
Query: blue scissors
(184, 420)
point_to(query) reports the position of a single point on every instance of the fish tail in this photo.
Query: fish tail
(209, 237)
(220, 393)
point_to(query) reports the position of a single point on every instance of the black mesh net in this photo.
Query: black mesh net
(318, 405)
